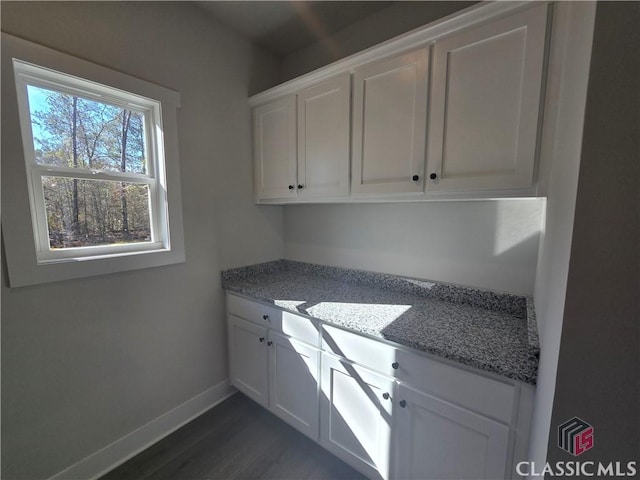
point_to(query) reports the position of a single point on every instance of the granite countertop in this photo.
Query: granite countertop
(491, 331)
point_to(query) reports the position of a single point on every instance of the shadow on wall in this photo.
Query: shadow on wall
(487, 244)
(264, 71)
(389, 22)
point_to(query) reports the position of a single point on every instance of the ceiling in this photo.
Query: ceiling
(282, 27)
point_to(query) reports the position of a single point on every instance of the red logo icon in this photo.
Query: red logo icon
(575, 436)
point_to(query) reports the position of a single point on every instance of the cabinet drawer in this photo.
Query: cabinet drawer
(298, 327)
(288, 323)
(253, 311)
(365, 351)
(482, 394)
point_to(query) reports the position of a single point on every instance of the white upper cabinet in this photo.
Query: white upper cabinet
(304, 156)
(274, 143)
(484, 110)
(323, 138)
(389, 125)
(450, 110)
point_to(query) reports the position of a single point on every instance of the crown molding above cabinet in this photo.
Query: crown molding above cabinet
(451, 110)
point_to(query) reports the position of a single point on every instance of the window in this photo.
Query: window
(95, 166)
(97, 173)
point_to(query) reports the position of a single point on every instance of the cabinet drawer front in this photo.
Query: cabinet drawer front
(365, 351)
(296, 326)
(252, 311)
(479, 393)
(476, 392)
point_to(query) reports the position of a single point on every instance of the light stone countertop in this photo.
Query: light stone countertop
(491, 331)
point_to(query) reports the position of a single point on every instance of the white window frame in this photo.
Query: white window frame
(31, 260)
(26, 75)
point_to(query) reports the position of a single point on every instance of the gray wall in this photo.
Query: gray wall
(486, 244)
(378, 27)
(598, 375)
(85, 362)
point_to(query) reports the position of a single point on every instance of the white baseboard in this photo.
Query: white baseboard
(118, 452)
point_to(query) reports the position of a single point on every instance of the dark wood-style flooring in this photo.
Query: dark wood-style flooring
(235, 440)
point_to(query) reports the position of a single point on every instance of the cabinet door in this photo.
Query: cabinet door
(274, 143)
(323, 138)
(294, 381)
(355, 416)
(484, 105)
(248, 359)
(389, 125)
(438, 440)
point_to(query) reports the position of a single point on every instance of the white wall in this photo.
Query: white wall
(88, 361)
(486, 244)
(561, 149)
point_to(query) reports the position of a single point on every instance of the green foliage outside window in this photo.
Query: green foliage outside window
(78, 133)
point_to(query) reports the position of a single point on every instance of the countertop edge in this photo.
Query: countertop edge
(436, 354)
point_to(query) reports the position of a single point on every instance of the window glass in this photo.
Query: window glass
(83, 213)
(76, 132)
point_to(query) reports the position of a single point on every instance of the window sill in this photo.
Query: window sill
(104, 256)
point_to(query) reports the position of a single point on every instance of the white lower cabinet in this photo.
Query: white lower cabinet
(294, 372)
(248, 359)
(356, 415)
(435, 439)
(279, 372)
(389, 430)
(387, 411)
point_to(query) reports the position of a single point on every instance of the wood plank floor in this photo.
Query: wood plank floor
(235, 440)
